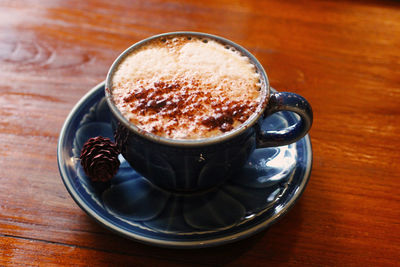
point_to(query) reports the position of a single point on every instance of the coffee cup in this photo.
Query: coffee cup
(210, 153)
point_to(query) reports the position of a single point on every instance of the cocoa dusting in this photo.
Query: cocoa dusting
(226, 113)
(178, 99)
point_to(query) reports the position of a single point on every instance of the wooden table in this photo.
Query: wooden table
(343, 56)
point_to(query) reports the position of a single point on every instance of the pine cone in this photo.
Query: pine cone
(99, 159)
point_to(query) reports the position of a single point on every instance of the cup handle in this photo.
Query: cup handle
(284, 101)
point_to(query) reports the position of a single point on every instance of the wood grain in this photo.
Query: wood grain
(343, 56)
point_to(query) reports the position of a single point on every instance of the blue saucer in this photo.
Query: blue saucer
(269, 184)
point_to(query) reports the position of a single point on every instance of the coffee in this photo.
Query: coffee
(186, 87)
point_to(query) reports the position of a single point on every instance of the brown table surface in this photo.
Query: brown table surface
(343, 56)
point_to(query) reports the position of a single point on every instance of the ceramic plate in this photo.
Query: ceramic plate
(268, 185)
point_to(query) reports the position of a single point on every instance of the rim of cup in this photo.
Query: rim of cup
(252, 120)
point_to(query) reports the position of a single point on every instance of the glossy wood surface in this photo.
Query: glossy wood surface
(343, 56)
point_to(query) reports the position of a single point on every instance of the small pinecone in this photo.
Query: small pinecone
(99, 159)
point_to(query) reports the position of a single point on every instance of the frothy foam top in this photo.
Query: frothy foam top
(186, 88)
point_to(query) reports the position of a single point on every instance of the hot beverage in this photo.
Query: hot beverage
(188, 109)
(186, 87)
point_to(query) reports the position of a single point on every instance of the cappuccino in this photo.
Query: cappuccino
(186, 87)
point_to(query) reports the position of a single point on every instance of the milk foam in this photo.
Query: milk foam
(207, 77)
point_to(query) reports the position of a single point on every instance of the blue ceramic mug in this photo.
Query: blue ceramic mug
(199, 164)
